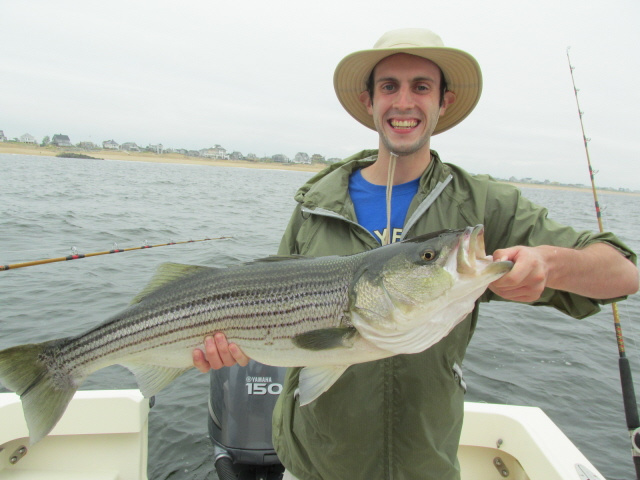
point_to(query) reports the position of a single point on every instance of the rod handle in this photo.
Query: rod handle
(628, 394)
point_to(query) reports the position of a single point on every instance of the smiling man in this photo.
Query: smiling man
(408, 103)
(401, 417)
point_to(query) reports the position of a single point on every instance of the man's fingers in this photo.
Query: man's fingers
(218, 353)
(199, 361)
(237, 354)
(226, 357)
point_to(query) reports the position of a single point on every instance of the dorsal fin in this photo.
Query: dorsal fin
(166, 273)
(277, 258)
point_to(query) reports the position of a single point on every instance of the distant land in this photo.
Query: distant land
(18, 148)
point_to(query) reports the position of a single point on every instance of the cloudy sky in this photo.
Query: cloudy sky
(257, 76)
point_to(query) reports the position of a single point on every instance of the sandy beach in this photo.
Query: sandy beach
(22, 149)
(51, 151)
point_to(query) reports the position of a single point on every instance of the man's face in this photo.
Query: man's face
(406, 102)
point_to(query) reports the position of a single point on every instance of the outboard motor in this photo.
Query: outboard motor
(241, 402)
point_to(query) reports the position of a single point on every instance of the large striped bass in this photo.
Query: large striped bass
(324, 313)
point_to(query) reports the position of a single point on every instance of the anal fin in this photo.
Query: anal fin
(153, 378)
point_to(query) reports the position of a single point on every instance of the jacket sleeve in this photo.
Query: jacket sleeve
(524, 223)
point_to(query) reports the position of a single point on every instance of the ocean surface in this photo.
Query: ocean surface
(51, 206)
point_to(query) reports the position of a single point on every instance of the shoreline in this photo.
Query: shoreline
(22, 149)
(176, 158)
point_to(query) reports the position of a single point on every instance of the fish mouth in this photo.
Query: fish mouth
(472, 258)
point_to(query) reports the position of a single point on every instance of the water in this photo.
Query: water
(519, 355)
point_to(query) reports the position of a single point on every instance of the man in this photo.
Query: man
(401, 417)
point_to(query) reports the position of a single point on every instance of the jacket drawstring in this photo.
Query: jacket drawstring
(390, 174)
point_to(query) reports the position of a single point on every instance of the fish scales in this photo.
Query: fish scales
(216, 302)
(322, 314)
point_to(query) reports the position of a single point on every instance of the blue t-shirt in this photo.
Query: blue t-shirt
(370, 202)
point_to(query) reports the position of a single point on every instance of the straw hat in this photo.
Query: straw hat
(460, 69)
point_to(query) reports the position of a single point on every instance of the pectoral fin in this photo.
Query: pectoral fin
(314, 381)
(325, 338)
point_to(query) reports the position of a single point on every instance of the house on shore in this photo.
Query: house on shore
(60, 140)
(88, 146)
(2, 137)
(302, 157)
(110, 145)
(27, 138)
(217, 153)
(130, 147)
(158, 149)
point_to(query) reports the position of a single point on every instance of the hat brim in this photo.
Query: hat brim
(461, 71)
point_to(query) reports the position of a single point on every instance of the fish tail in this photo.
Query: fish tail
(45, 391)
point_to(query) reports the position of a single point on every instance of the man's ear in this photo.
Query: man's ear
(449, 99)
(365, 99)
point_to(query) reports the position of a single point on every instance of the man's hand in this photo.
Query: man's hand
(218, 353)
(598, 271)
(528, 277)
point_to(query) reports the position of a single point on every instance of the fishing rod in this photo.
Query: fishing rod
(626, 380)
(76, 256)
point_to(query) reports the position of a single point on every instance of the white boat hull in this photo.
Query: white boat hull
(523, 442)
(103, 436)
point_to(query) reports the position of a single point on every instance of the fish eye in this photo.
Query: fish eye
(428, 255)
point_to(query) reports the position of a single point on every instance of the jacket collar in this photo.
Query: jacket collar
(329, 189)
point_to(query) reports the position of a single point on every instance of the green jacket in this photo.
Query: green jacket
(400, 418)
